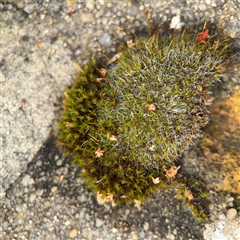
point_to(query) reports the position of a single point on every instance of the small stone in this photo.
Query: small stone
(105, 40)
(99, 222)
(39, 192)
(29, 8)
(87, 17)
(90, 5)
(133, 11)
(59, 162)
(27, 180)
(54, 189)
(67, 223)
(202, 7)
(146, 226)
(170, 236)
(114, 230)
(39, 163)
(42, 16)
(176, 22)
(32, 197)
(104, 20)
(73, 233)
(222, 217)
(231, 214)
(82, 213)
(82, 198)
(127, 211)
(87, 216)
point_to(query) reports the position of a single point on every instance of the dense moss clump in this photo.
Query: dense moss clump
(126, 125)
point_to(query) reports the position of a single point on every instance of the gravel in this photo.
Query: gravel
(42, 194)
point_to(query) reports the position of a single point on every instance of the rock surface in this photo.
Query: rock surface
(42, 196)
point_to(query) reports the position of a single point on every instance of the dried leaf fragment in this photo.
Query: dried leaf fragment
(64, 106)
(99, 153)
(114, 58)
(76, 65)
(137, 204)
(119, 28)
(66, 94)
(151, 107)
(156, 180)
(100, 79)
(152, 148)
(188, 195)
(146, 12)
(102, 71)
(171, 173)
(68, 125)
(59, 143)
(199, 88)
(112, 138)
(216, 45)
(108, 198)
(130, 43)
(202, 36)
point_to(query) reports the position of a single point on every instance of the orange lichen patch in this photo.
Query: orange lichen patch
(231, 181)
(221, 145)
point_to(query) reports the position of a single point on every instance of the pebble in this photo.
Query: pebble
(82, 198)
(175, 231)
(99, 222)
(54, 189)
(170, 236)
(202, 7)
(87, 17)
(73, 233)
(67, 223)
(90, 5)
(32, 197)
(133, 11)
(146, 226)
(29, 8)
(42, 16)
(59, 162)
(82, 213)
(104, 20)
(39, 163)
(176, 22)
(231, 214)
(27, 180)
(222, 217)
(39, 192)
(105, 40)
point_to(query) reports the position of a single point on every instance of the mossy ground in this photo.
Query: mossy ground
(125, 126)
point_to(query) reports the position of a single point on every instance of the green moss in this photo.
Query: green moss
(125, 129)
